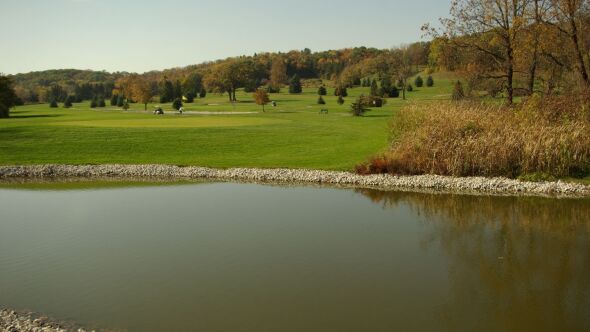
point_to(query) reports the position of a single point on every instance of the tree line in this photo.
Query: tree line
(269, 70)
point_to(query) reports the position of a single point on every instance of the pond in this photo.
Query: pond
(251, 257)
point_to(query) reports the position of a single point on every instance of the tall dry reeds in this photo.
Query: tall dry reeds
(540, 135)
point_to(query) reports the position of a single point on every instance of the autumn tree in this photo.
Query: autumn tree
(569, 17)
(402, 68)
(278, 74)
(231, 75)
(491, 30)
(261, 98)
(141, 90)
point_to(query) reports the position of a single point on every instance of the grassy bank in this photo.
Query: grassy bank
(291, 135)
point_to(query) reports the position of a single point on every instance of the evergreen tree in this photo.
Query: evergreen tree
(120, 100)
(341, 91)
(166, 91)
(68, 102)
(177, 90)
(374, 88)
(340, 100)
(126, 105)
(53, 103)
(202, 93)
(429, 81)
(322, 91)
(321, 100)
(114, 100)
(358, 108)
(394, 92)
(101, 102)
(419, 82)
(190, 97)
(295, 84)
(93, 103)
(177, 104)
(409, 88)
(385, 87)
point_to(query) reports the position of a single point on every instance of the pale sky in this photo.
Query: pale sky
(143, 35)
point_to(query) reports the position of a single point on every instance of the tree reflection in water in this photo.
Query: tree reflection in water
(515, 263)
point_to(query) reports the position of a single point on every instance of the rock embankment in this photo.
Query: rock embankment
(388, 182)
(12, 321)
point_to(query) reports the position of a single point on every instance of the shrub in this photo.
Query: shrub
(377, 102)
(429, 81)
(190, 97)
(419, 82)
(322, 91)
(202, 93)
(177, 104)
(321, 100)
(101, 102)
(53, 103)
(409, 88)
(458, 93)
(114, 100)
(93, 103)
(394, 92)
(271, 88)
(546, 136)
(120, 100)
(340, 100)
(126, 104)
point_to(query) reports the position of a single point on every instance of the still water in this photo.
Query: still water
(248, 257)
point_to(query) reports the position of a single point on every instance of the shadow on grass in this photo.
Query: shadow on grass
(28, 116)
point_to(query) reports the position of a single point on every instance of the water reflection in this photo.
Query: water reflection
(522, 263)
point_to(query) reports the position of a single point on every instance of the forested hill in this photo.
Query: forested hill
(345, 64)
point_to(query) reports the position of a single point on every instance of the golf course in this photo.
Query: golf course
(212, 132)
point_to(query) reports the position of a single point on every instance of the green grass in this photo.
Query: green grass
(291, 135)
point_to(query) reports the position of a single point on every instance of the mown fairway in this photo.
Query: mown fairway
(291, 135)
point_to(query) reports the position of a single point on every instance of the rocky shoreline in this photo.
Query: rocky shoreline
(482, 185)
(13, 321)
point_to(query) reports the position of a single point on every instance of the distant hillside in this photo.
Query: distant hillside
(41, 86)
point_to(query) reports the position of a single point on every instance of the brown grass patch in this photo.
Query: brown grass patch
(540, 135)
